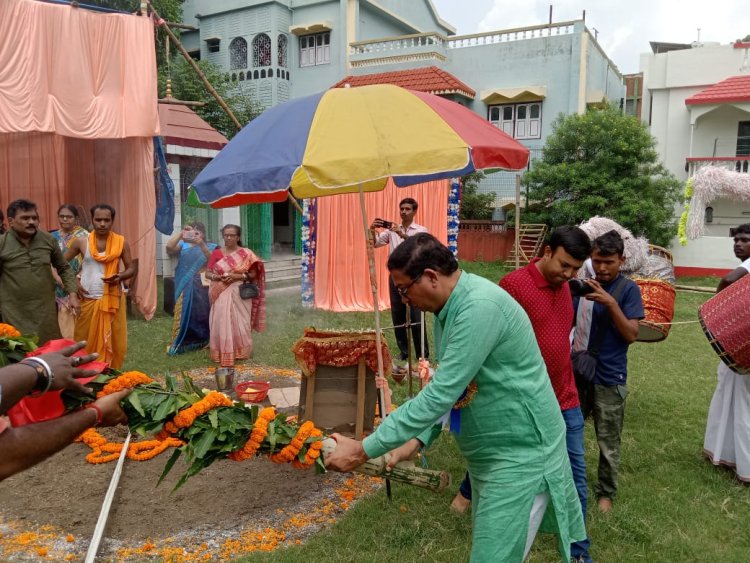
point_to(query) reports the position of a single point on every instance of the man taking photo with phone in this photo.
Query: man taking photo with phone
(394, 234)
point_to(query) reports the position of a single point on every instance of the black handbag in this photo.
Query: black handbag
(249, 290)
(584, 361)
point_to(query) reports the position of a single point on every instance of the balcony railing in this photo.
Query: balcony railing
(399, 45)
(734, 163)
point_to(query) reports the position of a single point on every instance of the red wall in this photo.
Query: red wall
(484, 246)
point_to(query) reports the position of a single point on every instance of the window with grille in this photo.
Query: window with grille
(238, 54)
(520, 121)
(261, 50)
(282, 45)
(315, 49)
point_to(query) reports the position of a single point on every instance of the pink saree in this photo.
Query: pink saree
(232, 318)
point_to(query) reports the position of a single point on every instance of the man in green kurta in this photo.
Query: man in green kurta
(27, 288)
(508, 427)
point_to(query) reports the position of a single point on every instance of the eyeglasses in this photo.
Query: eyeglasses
(230, 235)
(402, 291)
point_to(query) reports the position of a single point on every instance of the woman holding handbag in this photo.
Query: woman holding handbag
(237, 296)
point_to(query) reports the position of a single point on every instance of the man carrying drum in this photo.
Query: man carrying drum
(727, 440)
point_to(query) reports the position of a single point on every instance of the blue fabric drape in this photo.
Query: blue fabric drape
(164, 220)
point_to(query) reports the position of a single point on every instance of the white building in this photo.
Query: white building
(696, 102)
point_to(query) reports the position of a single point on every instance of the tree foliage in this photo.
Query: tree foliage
(475, 205)
(187, 86)
(603, 163)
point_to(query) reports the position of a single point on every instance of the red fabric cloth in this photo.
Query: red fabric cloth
(550, 310)
(48, 406)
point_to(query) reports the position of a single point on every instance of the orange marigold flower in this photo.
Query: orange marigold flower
(69, 538)
(127, 380)
(8, 331)
(260, 430)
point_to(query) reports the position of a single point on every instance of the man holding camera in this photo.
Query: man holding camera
(393, 235)
(542, 290)
(606, 325)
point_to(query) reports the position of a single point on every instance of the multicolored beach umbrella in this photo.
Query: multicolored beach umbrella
(345, 140)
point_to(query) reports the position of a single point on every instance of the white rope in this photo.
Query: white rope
(106, 505)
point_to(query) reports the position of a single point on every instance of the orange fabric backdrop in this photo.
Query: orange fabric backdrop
(342, 280)
(75, 72)
(78, 114)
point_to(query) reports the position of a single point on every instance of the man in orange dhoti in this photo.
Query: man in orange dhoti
(102, 322)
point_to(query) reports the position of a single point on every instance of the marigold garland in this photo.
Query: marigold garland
(187, 416)
(127, 380)
(313, 451)
(291, 451)
(104, 451)
(8, 331)
(260, 430)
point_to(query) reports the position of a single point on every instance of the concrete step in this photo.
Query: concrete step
(283, 263)
(283, 282)
(283, 272)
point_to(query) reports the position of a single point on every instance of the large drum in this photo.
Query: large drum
(656, 282)
(725, 319)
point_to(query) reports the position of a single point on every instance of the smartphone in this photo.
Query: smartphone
(386, 224)
(579, 288)
(188, 236)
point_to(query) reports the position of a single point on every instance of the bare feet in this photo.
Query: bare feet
(460, 503)
(605, 505)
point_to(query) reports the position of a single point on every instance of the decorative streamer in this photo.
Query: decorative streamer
(453, 221)
(308, 237)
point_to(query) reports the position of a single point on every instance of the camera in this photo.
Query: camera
(385, 224)
(579, 288)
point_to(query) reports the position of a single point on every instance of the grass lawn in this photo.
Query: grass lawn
(672, 506)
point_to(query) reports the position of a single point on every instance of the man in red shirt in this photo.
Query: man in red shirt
(542, 290)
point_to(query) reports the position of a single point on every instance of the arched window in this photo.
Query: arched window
(261, 50)
(263, 73)
(255, 75)
(242, 76)
(237, 53)
(282, 44)
(234, 77)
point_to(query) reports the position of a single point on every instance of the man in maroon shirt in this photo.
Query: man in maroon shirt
(541, 289)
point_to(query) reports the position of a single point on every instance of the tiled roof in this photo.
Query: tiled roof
(733, 89)
(180, 125)
(430, 79)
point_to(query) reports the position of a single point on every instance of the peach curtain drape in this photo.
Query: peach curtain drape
(342, 281)
(78, 113)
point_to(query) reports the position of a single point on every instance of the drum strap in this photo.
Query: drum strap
(604, 320)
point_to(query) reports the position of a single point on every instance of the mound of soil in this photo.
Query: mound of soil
(67, 492)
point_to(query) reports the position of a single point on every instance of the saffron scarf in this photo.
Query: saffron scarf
(110, 301)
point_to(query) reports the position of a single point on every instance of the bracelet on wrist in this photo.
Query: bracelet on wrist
(44, 375)
(99, 415)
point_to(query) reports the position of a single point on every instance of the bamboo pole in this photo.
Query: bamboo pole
(403, 472)
(211, 90)
(518, 221)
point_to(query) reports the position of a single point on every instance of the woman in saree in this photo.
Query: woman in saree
(190, 329)
(232, 318)
(70, 229)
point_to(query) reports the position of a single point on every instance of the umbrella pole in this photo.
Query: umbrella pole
(376, 310)
(374, 288)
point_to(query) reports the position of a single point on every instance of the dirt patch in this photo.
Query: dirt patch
(218, 504)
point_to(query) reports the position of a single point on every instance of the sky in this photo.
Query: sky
(624, 27)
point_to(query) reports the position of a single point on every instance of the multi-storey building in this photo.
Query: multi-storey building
(519, 79)
(697, 105)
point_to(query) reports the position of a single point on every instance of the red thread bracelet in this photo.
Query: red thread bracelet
(99, 415)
